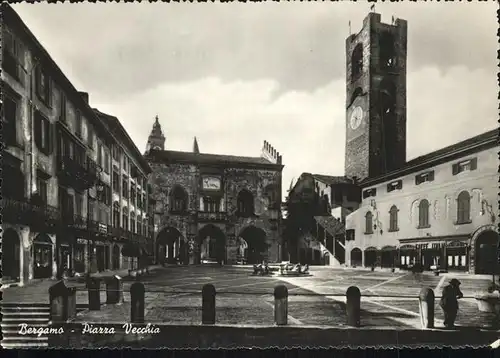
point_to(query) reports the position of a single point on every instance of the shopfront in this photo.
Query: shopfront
(407, 255)
(42, 256)
(371, 256)
(79, 255)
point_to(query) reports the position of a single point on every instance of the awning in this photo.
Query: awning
(134, 250)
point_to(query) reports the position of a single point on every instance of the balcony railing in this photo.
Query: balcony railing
(21, 211)
(81, 175)
(204, 216)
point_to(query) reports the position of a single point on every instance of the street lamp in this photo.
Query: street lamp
(99, 187)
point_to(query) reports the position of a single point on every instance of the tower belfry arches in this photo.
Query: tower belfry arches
(156, 139)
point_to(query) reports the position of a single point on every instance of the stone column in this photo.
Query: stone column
(25, 256)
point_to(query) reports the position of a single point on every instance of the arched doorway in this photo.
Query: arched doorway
(212, 243)
(370, 256)
(388, 257)
(356, 257)
(116, 257)
(256, 244)
(486, 253)
(169, 246)
(11, 268)
(42, 263)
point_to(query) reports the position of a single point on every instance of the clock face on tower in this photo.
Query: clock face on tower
(356, 117)
(211, 183)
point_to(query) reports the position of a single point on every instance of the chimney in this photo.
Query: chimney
(85, 96)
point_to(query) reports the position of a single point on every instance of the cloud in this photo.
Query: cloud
(307, 128)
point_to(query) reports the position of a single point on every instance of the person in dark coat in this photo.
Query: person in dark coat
(449, 302)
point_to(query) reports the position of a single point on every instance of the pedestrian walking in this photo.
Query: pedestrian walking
(449, 302)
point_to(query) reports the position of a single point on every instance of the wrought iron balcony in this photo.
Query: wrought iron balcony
(76, 173)
(204, 216)
(21, 211)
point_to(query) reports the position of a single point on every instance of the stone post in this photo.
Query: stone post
(62, 302)
(114, 290)
(94, 290)
(281, 305)
(208, 304)
(426, 304)
(137, 298)
(353, 306)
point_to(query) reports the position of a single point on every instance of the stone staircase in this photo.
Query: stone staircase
(33, 315)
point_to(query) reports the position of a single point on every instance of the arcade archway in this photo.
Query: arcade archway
(256, 244)
(212, 243)
(171, 246)
(11, 268)
(115, 257)
(486, 253)
(356, 257)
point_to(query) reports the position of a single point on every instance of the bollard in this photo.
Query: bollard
(137, 298)
(353, 306)
(114, 290)
(281, 305)
(426, 304)
(208, 304)
(94, 288)
(62, 302)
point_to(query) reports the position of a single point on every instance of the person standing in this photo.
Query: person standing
(449, 302)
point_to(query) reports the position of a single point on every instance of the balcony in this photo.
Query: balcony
(204, 216)
(39, 217)
(71, 221)
(77, 174)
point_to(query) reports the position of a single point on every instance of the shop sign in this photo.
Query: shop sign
(457, 244)
(103, 228)
(407, 247)
(81, 241)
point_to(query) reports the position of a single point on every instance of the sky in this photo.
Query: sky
(234, 75)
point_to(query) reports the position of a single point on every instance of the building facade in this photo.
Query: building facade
(57, 183)
(215, 208)
(438, 210)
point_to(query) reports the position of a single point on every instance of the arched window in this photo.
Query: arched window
(423, 214)
(116, 214)
(369, 223)
(393, 218)
(245, 203)
(463, 208)
(178, 199)
(132, 221)
(139, 225)
(357, 62)
(125, 218)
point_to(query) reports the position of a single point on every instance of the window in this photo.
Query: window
(125, 163)
(387, 50)
(62, 107)
(132, 195)
(43, 86)
(9, 119)
(211, 205)
(116, 214)
(116, 182)
(99, 155)
(424, 177)
(350, 235)
(245, 204)
(125, 218)
(90, 137)
(357, 62)
(42, 133)
(13, 56)
(125, 188)
(463, 208)
(393, 218)
(369, 223)
(145, 226)
(423, 214)
(78, 124)
(132, 221)
(115, 152)
(107, 166)
(464, 166)
(369, 192)
(139, 225)
(91, 212)
(79, 204)
(42, 189)
(396, 185)
(178, 199)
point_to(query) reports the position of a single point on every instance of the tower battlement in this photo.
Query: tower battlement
(271, 154)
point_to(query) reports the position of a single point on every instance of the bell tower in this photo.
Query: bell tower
(156, 139)
(376, 98)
